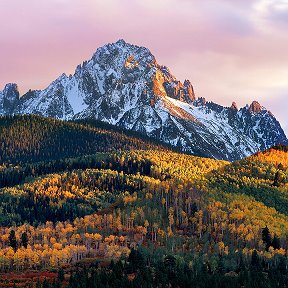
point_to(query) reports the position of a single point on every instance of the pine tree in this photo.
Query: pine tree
(12, 240)
(277, 179)
(24, 240)
(266, 237)
(275, 242)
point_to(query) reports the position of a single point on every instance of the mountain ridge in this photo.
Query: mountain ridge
(123, 85)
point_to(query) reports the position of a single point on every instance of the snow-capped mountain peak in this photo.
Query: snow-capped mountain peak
(123, 84)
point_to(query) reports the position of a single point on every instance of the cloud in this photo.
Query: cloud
(272, 14)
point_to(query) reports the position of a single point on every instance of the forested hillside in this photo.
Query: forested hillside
(33, 138)
(263, 176)
(142, 216)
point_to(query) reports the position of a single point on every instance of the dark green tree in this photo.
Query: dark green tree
(12, 240)
(170, 262)
(266, 237)
(276, 242)
(255, 261)
(61, 274)
(136, 260)
(24, 240)
(277, 179)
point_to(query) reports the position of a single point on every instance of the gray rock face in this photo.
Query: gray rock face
(9, 99)
(122, 84)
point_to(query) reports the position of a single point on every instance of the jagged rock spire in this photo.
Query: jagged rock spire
(255, 107)
(234, 106)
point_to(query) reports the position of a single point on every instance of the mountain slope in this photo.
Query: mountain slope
(122, 84)
(263, 176)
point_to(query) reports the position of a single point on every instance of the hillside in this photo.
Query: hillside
(34, 139)
(193, 221)
(263, 176)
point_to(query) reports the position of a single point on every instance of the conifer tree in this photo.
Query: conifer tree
(266, 237)
(12, 240)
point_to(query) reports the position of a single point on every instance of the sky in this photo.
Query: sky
(231, 50)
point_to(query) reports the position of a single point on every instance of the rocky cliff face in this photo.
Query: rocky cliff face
(9, 99)
(122, 84)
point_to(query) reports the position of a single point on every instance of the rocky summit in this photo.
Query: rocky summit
(123, 84)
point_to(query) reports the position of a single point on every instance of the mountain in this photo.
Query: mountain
(122, 84)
